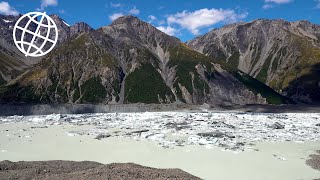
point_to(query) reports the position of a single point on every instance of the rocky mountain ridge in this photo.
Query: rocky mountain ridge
(128, 61)
(283, 55)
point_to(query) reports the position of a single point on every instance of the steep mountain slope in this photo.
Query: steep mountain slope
(188, 76)
(12, 62)
(128, 61)
(284, 55)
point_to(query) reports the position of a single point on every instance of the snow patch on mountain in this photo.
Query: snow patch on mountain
(66, 23)
(7, 21)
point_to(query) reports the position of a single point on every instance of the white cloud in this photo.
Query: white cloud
(168, 30)
(115, 5)
(134, 11)
(318, 4)
(115, 16)
(270, 3)
(194, 21)
(152, 17)
(6, 9)
(278, 1)
(47, 3)
(155, 21)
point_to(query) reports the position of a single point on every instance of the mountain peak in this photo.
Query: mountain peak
(126, 18)
(136, 29)
(56, 17)
(306, 23)
(129, 21)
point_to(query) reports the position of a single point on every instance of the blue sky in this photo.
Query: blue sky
(184, 19)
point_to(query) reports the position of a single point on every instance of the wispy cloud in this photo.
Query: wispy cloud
(152, 18)
(271, 3)
(6, 9)
(194, 21)
(115, 5)
(317, 4)
(47, 3)
(279, 1)
(155, 21)
(134, 11)
(115, 16)
(267, 6)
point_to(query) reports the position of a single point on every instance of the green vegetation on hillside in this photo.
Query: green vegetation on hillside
(256, 86)
(233, 61)
(15, 93)
(93, 91)
(56, 88)
(144, 85)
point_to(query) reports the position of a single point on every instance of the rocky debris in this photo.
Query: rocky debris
(277, 125)
(318, 124)
(57, 170)
(215, 134)
(178, 126)
(222, 124)
(139, 131)
(314, 160)
(102, 136)
(39, 127)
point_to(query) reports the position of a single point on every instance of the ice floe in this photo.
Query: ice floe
(234, 131)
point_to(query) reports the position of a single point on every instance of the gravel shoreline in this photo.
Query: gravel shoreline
(59, 170)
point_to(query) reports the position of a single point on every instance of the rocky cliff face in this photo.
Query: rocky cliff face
(284, 55)
(128, 61)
